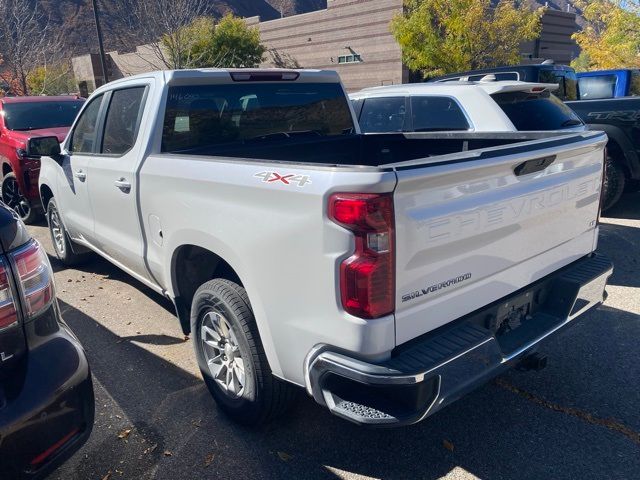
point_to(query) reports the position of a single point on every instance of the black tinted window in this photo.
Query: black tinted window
(121, 125)
(37, 115)
(83, 138)
(383, 115)
(536, 111)
(199, 116)
(593, 88)
(634, 89)
(432, 114)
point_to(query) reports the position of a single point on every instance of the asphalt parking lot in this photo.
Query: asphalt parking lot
(578, 418)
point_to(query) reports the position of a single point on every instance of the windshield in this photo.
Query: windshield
(536, 111)
(199, 116)
(40, 115)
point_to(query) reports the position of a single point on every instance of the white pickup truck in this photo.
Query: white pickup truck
(386, 274)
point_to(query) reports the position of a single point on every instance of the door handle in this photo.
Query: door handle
(80, 175)
(123, 185)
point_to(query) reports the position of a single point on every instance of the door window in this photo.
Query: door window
(121, 125)
(383, 115)
(83, 138)
(433, 114)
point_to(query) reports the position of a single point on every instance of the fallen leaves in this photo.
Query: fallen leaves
(124, 433)
(208, 459)
(448, 445)
(167, 453)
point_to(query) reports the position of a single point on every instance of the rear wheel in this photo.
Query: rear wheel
(62, 245)
(13, 198)
(614, 184)
(231, 357)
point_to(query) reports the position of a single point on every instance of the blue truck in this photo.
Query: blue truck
(603, 84)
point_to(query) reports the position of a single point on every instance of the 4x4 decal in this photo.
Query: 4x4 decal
(287, 179)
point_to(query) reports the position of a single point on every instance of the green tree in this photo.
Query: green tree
(230, 43)
(54, 80)
(611, 35)
(442, 36)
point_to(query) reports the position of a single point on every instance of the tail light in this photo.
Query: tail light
(8, 312)
(35, 278)
(35, 281)
(367, 278)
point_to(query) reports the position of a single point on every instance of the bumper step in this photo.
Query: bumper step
(432, 371)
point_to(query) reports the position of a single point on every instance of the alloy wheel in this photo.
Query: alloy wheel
(222, 353)
(12, 197)
(57, 231)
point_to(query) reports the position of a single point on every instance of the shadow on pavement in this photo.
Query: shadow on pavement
(492, 433)
(621, 244)
(627, 208)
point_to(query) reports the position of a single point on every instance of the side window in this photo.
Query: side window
(381, 115)
(83, 137)
(121, 126)
(634, 88)
(600, 87)
(432, 114)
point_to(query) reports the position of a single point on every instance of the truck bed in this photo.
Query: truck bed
(374, 150)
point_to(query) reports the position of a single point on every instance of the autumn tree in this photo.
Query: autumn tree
(442, 36)
(611, 35)
(28, 39)
(160, 24)
(51, 80)
(229, 43)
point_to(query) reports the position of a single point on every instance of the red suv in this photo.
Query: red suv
(20, 119)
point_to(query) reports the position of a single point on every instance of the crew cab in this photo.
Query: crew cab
(46, 392)
(386, 274)
(20, 119)
(603, 84)
(487, 105)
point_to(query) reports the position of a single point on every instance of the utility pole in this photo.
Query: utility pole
(103, 58)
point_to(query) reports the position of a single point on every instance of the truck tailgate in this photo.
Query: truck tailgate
(472, 230)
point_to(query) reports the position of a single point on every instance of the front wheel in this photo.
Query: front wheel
(231, 357)
(13, 198)
(60, 238)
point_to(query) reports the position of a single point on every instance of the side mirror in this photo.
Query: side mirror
(43, 146)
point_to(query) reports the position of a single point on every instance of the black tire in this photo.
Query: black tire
(262, 397)
(14, 198)
(614, 184)
(62, 245)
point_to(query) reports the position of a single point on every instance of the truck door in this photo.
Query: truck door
(113, 191)
(72, 189)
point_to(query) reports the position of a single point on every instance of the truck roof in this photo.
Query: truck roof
(444, 88)
(226, 74)
(612, 71)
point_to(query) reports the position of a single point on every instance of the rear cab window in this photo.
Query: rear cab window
(199, 118)
(536, 111)
(597, 87)
(567, 79)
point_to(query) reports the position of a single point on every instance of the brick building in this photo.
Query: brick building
(349, 36)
